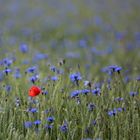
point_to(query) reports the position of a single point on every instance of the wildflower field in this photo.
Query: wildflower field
(70, 70)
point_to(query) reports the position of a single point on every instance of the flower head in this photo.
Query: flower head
(132, 93)
(28, 124)
(37, 122)
(96, 91)
(64, 127)
(50, 119)
(23, 48)
(34, 91)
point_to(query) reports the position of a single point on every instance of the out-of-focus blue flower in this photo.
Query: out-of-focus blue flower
(48, 126)
(96, 91)
(115, 111)
(132, 93)
(91, 106)
(75, 93)
(24, 48)
(54, 78)
(40, 56)
(93, 122)
(7, 71)
(53, 68)
(17, 74)
(50, 119)
(7, 62)
(45, 92)
(32, 110)
(72, 55)
(112, 112)
(83, 43)
(120, 35)
(85, 91)
(98, 85)
(60, 71)
(28, 124)
(138, 78)
(101, 52)
(37, 122)
(64, 127)
(31, 69)
(34, 78)
(111, 69)
(119, 109)
(8, 88)
(25, 62)
(75, 77)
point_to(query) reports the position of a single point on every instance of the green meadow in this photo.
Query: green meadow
(84, 56)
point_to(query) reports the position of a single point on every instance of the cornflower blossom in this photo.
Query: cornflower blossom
(28, 124)
(64, 127)
(23, 48)
(37, 122)
(7, 71)
(75, 78)
(32, 110)
(34, 78)
(96, 91)
(132, 93)
(50, 119)
(111, 69)
(32, 69)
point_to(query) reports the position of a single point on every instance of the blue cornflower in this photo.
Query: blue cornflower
(17, 74)
(111, 69)
(83, 43)
(91, 106)
(7, 71)
(40, 56)
(7, 62)
(45, 92)
(53, 68)
(34, 78)
(138, 78)
(75, 93)
(75, 77)
(28, 124)
(96, 91)
(31, 69)
(132, 93)
(54, 78)
(37, 122)
(119, 109)
(50, 119)
(8, 88)
(24, 48)
(48, 126)
(64, 127)
(33, 110)
(85, 91)
(115, 68)
(112, 112)
(93, 122)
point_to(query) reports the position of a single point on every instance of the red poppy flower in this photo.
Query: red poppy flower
(34, 91)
